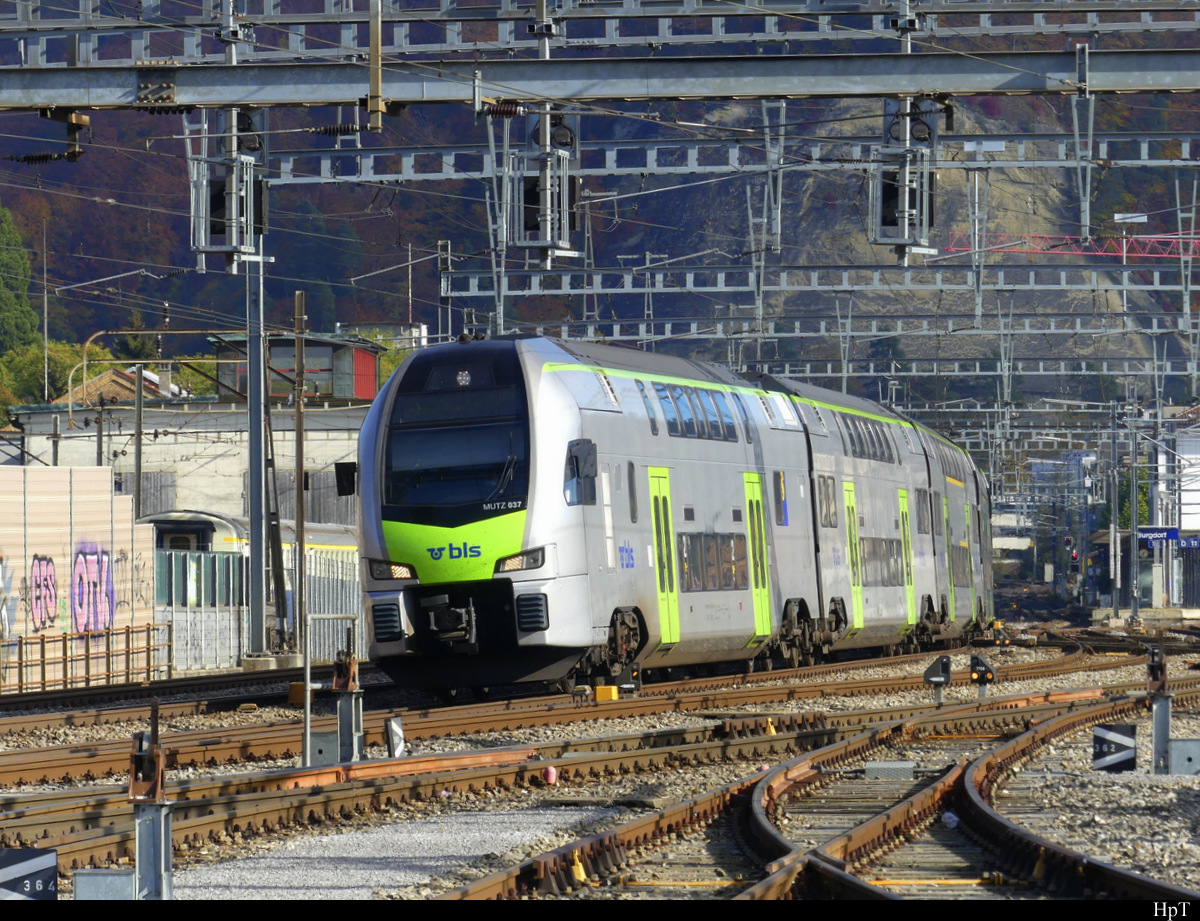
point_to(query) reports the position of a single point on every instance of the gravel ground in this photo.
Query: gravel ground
(452, 866)
(424, 848)
(372, 864)
(1138, 820)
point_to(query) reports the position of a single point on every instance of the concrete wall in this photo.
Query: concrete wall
(71, 558)
(202, 445)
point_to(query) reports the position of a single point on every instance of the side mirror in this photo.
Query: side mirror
(346, 473)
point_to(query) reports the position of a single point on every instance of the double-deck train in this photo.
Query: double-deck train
(543, 510)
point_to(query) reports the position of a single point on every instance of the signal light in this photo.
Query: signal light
(939, 672)
(981, 672)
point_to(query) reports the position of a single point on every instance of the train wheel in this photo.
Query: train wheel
(624, 641)
(567, 684)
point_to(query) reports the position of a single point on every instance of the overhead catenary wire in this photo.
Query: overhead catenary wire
(623, 114)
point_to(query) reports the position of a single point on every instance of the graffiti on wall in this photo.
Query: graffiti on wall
(42, 593)
(93, 601)
(73, 562)
(8, 601)
(131, 574)
(89, 603)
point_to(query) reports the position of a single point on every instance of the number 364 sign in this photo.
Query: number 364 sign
(28, 873)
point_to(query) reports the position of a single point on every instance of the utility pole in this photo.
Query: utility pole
(45, 323)
(1133, 525)
(138, 407)
(1114, 533)
(299, 608)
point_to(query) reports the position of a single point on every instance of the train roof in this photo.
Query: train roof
(620, 357)
(844, 400)
(237, 528)
(650, 363)
(821, 395)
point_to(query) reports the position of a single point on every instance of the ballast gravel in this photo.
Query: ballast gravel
(370, 864)
(421, 850)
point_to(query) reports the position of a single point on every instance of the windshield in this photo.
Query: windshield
(458, 444)
(452, 475)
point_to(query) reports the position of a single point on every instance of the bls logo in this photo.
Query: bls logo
(456, 552)
(626, 554)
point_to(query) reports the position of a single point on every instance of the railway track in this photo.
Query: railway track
(829, 830)
(94, 826)
(214, 808)
(80, 707)
(91, 761)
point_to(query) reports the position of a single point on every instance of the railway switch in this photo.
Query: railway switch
(152, 815)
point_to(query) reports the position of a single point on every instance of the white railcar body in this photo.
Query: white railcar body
(535, 509)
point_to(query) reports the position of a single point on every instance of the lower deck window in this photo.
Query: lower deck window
(883, 561)
(712, 562)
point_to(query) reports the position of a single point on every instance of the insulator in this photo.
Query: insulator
(37, 158)
(336, 130)
(504, 109)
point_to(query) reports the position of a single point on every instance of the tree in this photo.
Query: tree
(7, 396)
(23, 370)
(18, 322)
(1124, 511)
(134, 345)
(198, 377)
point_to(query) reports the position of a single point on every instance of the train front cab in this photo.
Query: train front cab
(457, 573)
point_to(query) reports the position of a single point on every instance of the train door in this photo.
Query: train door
(854, 558)
(951, 569)
(970, 563)
(758, 560)
(906, 548)
(664, 556)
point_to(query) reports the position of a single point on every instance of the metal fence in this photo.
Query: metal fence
(78, 660)
(203, 596)
(331, 589)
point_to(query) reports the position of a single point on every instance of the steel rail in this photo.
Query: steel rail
(565, 868)
(101, 759)
(1060, 869)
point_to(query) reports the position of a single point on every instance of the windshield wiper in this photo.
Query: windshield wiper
(506, 477)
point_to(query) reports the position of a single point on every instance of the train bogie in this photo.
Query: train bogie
(534, 510)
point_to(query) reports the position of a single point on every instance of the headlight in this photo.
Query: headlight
(382, 570)
(530, 559)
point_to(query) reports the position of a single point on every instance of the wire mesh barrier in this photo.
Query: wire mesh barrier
(332, 590)
(202, 595)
